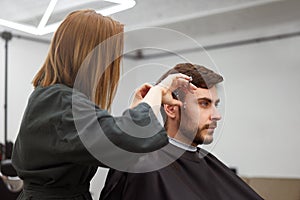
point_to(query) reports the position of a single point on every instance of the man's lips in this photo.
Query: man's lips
(212, 125)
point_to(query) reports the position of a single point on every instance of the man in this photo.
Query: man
(195, 174)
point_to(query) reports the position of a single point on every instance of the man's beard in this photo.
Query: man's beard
(195, 135)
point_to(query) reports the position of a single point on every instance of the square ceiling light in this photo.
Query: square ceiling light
(56, 10)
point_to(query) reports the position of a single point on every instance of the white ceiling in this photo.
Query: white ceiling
(197, 18)
(146, 12)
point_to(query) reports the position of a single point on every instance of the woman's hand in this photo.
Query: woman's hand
(139, 94)
(162, 93)
(173, 82)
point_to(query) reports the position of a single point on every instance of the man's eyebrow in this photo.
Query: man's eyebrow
(205, 98)
(208, 99)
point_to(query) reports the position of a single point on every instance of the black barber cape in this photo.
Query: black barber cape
(190, 177)
(49, 154)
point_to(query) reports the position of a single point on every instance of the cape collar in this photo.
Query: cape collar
(182, 145)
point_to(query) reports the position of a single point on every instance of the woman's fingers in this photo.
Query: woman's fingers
(143, 90)
(168, 99)
(175, 102)
(175, 81)
(167, 86)
(187, 82)
(139, 94)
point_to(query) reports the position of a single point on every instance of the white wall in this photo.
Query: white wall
(260, 133)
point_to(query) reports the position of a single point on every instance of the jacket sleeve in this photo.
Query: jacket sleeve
(105, 137)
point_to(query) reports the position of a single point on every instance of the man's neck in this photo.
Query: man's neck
(174, 132)
(181, 138)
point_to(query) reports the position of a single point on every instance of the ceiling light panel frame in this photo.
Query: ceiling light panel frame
(43, 28)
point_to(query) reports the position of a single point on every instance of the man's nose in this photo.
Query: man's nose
(215, 114)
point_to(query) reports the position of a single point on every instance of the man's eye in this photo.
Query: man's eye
(204, 103)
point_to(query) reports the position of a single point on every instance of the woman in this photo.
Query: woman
(49, 153)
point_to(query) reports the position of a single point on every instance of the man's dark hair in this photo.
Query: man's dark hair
(202, 77)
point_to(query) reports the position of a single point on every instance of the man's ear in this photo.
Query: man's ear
(171, 111)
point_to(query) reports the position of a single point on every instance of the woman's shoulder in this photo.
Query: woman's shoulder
(53, 89)
(56, 91)
(56, 94)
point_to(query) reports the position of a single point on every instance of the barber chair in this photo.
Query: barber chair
(10, 184)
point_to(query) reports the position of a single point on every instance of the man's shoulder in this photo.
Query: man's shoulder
(115, 175)
(133, 184)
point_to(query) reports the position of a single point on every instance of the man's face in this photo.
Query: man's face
(199, 116)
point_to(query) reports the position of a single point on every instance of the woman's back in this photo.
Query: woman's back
(54, 162)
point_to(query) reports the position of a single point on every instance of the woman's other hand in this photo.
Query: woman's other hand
(139, 94)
